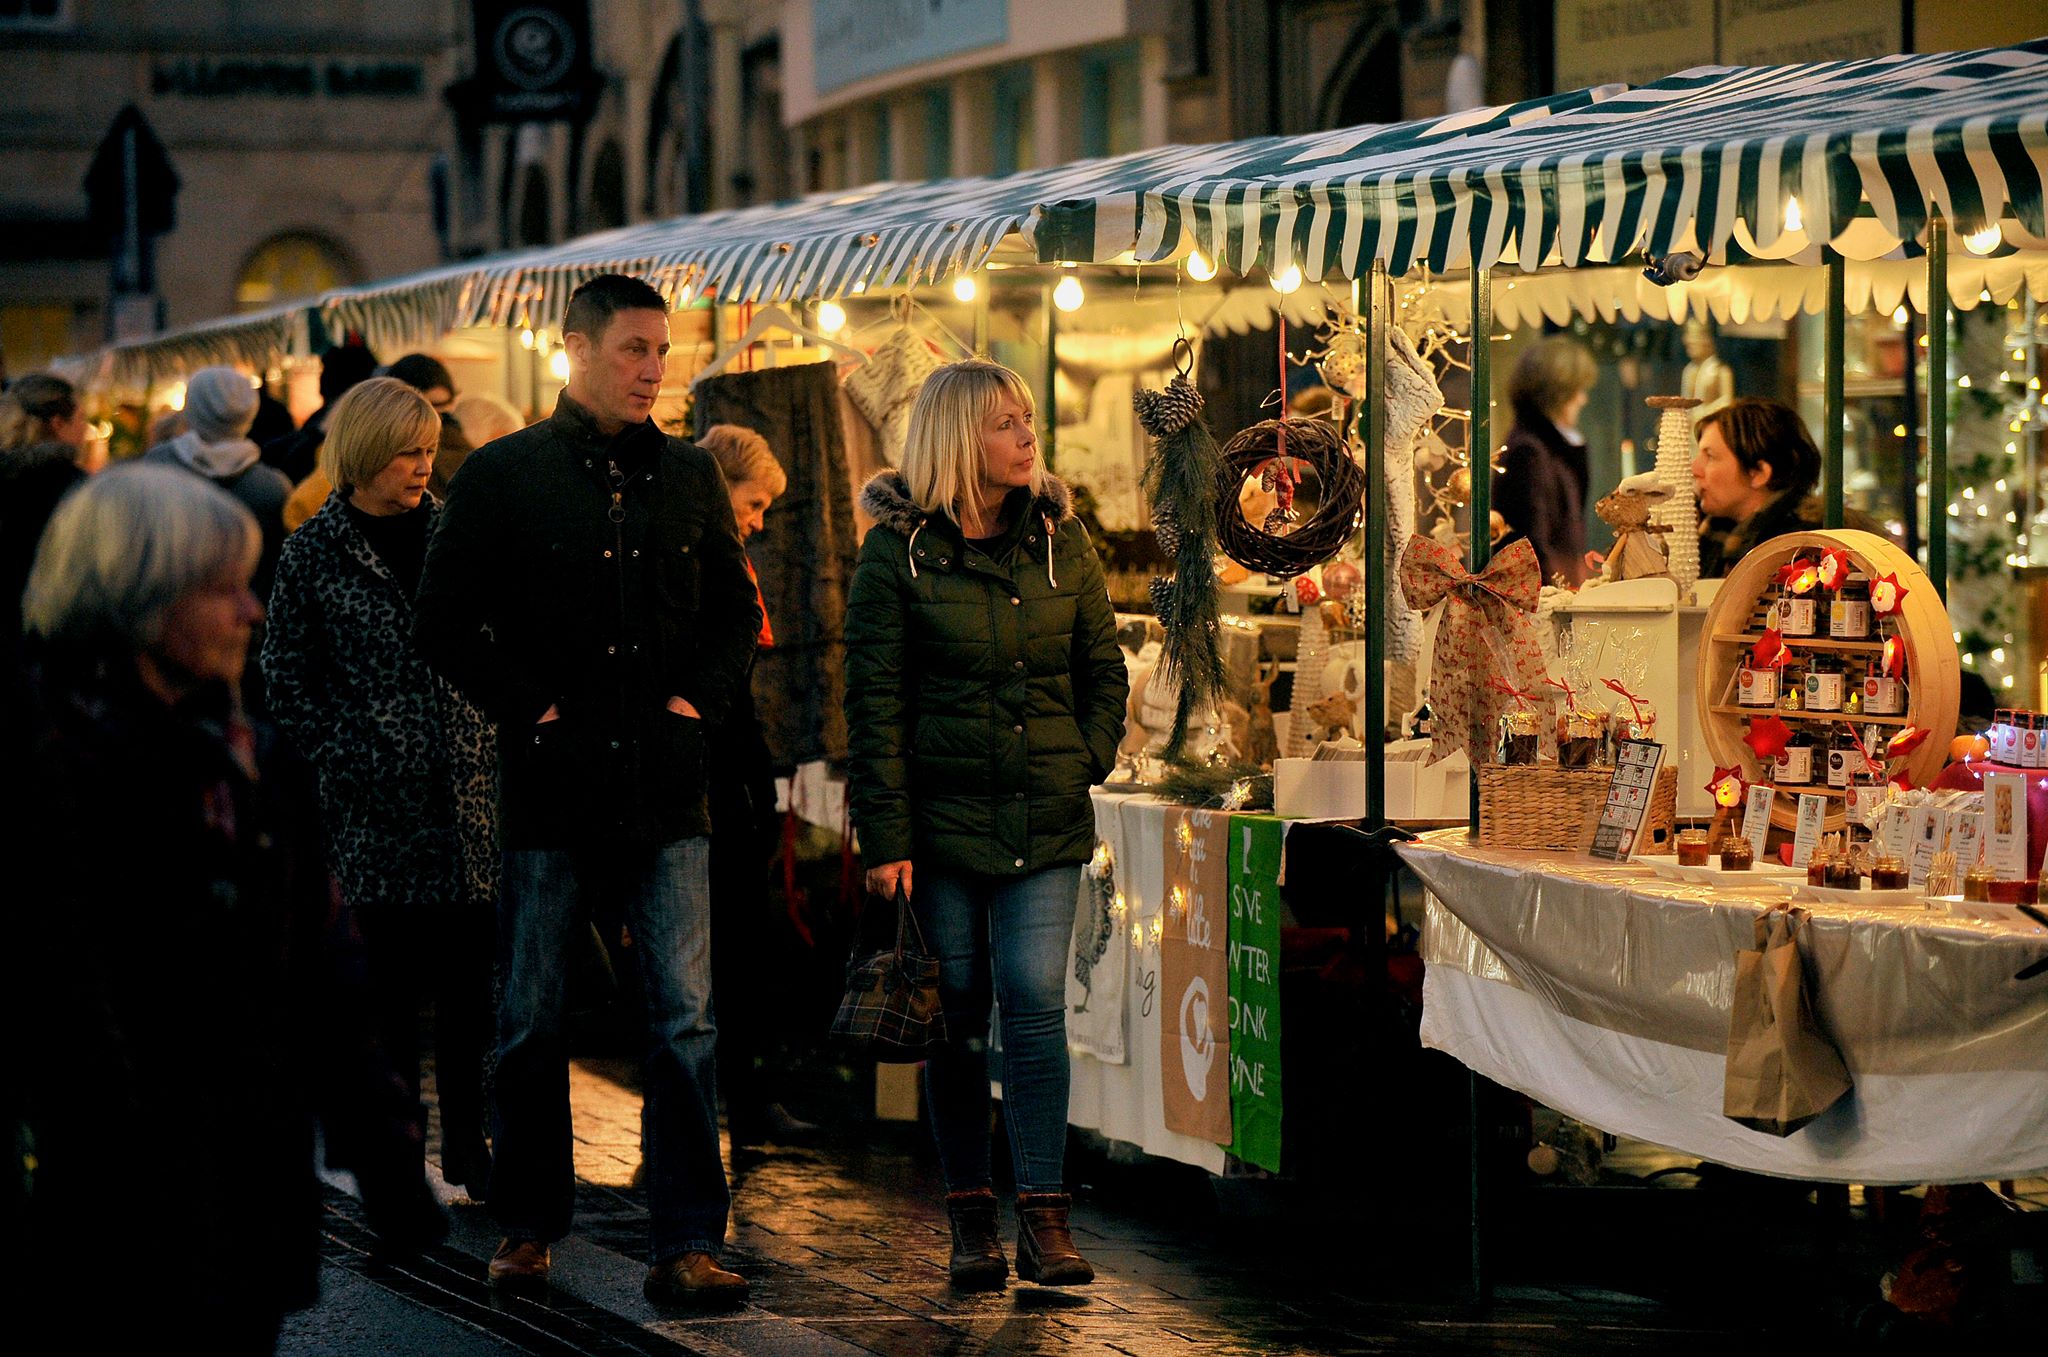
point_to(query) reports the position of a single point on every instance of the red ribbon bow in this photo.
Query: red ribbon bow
(1635, 703)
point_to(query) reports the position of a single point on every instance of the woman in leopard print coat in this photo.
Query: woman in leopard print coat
(407, 766)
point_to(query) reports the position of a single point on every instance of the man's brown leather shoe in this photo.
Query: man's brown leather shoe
(694, 1279)
(519, 1262)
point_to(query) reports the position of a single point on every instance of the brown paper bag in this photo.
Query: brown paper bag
(1783, 1071)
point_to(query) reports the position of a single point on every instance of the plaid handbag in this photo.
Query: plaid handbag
(891, 1009)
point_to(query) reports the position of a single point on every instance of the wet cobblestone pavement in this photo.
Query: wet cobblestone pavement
(844, 1244)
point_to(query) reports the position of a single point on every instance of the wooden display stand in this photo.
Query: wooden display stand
(1737, 619)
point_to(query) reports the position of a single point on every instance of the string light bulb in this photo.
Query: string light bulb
(1288, 280)
(526, 339)
(964, 288)
(1201, 268)
(1984, 241)
(1068, 295)
(558, 365)
(831, 317)
(1795, 220)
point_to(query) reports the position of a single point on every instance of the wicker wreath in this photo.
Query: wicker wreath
(1253, 452)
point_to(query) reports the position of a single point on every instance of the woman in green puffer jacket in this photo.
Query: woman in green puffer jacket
(985, 695)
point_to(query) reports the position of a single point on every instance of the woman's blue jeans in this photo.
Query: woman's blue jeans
(1005, 937)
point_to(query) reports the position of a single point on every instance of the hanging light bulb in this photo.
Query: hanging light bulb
(831, 317)
(1795, 220)
(526, 339)
(175, 397)
(1899, 314)
(964, 288)
(1288, 280)
(1984, 241)
(1068, 296)
(1201, 268)
(558, 365)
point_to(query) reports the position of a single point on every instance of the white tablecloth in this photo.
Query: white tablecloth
(1604, 993)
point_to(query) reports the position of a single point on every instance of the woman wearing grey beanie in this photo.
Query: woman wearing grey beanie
(220, 404)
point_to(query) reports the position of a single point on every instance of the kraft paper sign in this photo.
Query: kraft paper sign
(1194, 977)
(1256, 846)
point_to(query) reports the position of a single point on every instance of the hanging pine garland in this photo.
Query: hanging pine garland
(1180, 481)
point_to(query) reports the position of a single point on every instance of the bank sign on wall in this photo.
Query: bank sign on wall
(853, 40)
(1638, 41)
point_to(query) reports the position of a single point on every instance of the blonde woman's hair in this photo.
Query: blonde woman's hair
(943, 463)
(484, 418)
(370, 426)
(743, 456)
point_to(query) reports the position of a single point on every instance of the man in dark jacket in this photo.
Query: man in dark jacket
(587, 588)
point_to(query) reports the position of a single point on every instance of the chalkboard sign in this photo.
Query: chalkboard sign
(1628, 798)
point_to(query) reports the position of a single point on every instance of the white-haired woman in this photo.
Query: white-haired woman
(175, 974)
(985, 696)
(407, 766)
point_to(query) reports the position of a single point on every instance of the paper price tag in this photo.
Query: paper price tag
(1969, 835)
(2005, 825)
(1894, 831)
(1756, 818)
(1813, 813)
(1925, 837)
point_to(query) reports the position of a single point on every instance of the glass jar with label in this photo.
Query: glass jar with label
(1518, 735)
(1736, 854)
(1845, 758)
(1843, 873)
(2004, 742)
(1889, 873)
(1883, 696)
(1797, 613)
(1794, 766)
(1849, 612)
(1824, 683)
(1756, 687)
(1693, 847)
(2032, 734)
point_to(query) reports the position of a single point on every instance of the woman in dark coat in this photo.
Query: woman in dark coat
(985, 696)
(1539, 487)
(180, 975)
(406, 764)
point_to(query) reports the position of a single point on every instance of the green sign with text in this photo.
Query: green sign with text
(1256, 844)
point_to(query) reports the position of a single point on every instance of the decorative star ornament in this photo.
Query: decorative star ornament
(1905, 742)
(1887, 594)
(1727, 786)
(1767, 737)
(1770, 651)
(1834, 568)
(1799, 576)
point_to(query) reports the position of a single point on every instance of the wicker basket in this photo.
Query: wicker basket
(1545, 806)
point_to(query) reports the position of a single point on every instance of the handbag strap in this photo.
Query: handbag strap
(906, 915)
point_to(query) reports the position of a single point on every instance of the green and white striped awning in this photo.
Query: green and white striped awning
(255, 340)
(1709, 159)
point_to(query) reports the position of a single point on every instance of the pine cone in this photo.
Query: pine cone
(1166, 528)
(1277, 520)
(1161, 590)
(1169, 411)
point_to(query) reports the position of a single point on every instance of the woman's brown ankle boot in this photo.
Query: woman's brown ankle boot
(977, 1263)
(1045, 1247)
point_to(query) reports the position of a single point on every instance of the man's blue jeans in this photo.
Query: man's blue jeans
(1009, 935)
(664, 898)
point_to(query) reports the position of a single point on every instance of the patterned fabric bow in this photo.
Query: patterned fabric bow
(1487, 631)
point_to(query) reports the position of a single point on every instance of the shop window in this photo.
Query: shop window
(1112, 122)
(290, 266)
(1014, 145)
(938, 133)
(608, 189)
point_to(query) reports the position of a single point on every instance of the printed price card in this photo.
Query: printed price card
(1756, 817)
(1813, 813)
(2005, 825)
(1628, 798)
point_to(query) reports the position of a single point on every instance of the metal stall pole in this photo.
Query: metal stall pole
(1937, 404)
(1831, 344)
(1048, 410)
(1479, 459)
(1373, 721)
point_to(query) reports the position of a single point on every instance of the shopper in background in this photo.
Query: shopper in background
(744, 964)
(220, 404)
(1539, 485)
(587, 588)
(179, 992)
(43, 433)
(407, 767)
(428, 376)
(484, 419)
(297, 454)
(985, 695)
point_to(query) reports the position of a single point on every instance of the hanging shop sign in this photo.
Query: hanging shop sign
(532, 60)
(855, 39)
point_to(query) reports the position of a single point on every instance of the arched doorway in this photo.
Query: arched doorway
(1365, 87)
(290, 265)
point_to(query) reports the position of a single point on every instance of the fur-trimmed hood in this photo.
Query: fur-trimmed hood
(886, 499)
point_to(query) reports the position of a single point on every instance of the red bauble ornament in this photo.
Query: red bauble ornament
(1306, 592)
(1339, 579)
